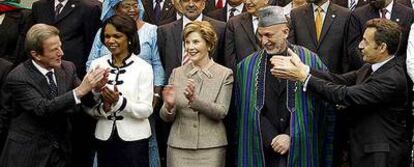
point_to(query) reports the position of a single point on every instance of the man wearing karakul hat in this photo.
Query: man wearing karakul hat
(277, 119)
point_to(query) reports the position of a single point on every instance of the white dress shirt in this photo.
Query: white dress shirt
(389, 10)
(63, 3)
(324, 10)
(255, 22)
(238, 10)
(135, 84)
(154, 2)
(2, 17)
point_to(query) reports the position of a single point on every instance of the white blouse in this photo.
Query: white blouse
(130, 115)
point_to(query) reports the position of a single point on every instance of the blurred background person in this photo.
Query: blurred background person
(232, 8)
(292, 5)
(123, 128)
(147, 34)
(159, 12)
(12, 19)
(196, 101)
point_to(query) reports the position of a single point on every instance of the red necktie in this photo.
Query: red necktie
(219, 4)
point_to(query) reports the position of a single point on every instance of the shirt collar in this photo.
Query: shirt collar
(389, 7)
(42, 70)
(63, 2)
(205, 70)
(324, 6)
(186, 20)
(376, 66)
(239, 8)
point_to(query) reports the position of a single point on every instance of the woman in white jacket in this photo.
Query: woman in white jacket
(124, 104)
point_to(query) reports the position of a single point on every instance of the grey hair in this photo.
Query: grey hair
(37, 34)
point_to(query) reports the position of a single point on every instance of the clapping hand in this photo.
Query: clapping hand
(99, 86)
(189, 91)
(289, 67)
(90, 81)
(168, 94)
(109, 97)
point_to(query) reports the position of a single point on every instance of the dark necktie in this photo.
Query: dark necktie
(157, 11)
(383, 13)
(232, 10)
(59, 6)
(52, 85)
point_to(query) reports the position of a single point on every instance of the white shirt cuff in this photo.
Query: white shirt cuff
(77, 100)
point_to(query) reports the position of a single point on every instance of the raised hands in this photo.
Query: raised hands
(189, 91)
(109, 97)
(168, 94)
(289, 67)
(92, 79)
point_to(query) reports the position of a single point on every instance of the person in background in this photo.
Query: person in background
(292, 5)
(149, 52)
(196, 101)
(12, 19)
(124, 103)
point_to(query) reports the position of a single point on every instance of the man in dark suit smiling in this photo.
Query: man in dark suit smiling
(43, 92)
(376, 96)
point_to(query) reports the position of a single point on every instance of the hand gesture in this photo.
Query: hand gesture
(103, 81)
(90, 81)
(290, 67)
(110, 96)
(281, 144)
(168, 94)
(189, 91)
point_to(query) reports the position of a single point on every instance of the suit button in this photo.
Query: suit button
(55, 144)
(195, 126)
(282, 120)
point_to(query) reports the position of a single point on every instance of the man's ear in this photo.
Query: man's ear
(384, 47)
(34, 55)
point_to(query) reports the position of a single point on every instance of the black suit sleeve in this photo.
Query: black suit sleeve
(91, 24)
(268, 131)
(377, 90)
(342, 79)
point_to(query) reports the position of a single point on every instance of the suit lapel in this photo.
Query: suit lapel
(50, 10)
(67, 9)
(61, 80)
(39, 80)
(246, 22)
(177, 31)
(166, 9)
(310, 22)
(396, 14)
(329, 19)
(149, 10)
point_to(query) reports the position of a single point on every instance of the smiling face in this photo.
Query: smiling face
(128, 7)
(273, 38)
(52, 53)
(197, 48)
(192, 8)
(115, 41)
(252, 6)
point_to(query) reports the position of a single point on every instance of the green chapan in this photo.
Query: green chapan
(312, 120)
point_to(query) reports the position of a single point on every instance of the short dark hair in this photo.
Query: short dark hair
(126, 25)
(387, 32)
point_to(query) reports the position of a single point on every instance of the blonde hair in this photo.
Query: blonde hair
(37, 34)
(205, 29)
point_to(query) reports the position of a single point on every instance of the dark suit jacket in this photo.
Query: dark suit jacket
(12, 26)
(170, 43)
(401, 14)
(377, 105)
(221, 14)
(168, 13)
(40, 123)
(279, 2)
(5, 67)
(240, 40)
(405, 3)
(344, 3)
(330, 47)
(77, 23)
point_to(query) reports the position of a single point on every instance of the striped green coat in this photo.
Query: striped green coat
(311, 124)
